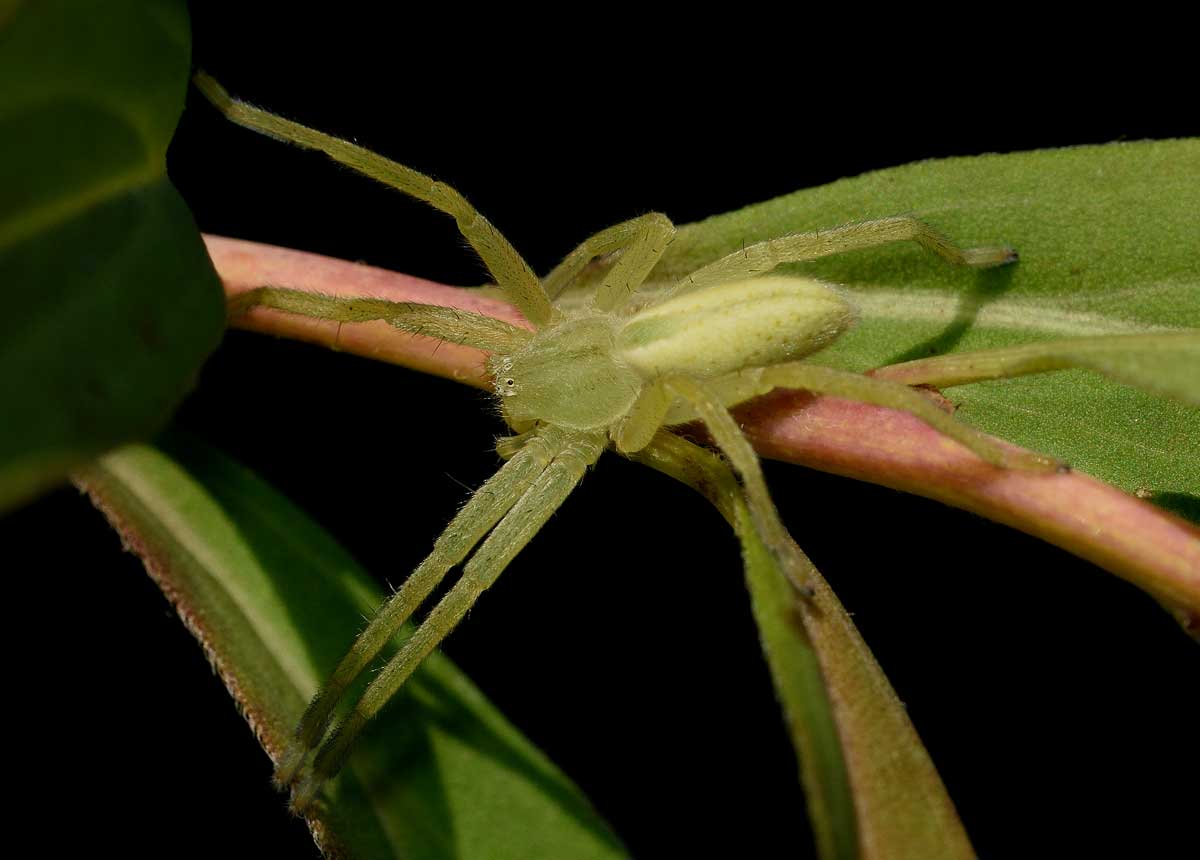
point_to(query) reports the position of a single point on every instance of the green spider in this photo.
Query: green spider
(614, 371)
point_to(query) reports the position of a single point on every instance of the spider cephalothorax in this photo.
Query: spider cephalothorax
(614, 371)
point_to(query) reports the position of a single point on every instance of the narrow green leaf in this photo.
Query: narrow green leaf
(274, 602)
(872, 790)
(1108, 243)
(799, 683)
(110, 300)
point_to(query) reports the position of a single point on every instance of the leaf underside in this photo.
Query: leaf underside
(872, 791)
(274, 600)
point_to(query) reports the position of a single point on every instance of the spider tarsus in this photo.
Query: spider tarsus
(987, 257)
(289, 765)
(240, 304)
(304, 794)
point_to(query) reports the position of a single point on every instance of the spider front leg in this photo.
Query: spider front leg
(524, 519)
(642, 240)
(513, 275)
(762, 257)
(482, 511)
(448, 324)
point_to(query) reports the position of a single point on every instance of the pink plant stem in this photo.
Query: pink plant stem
(1123, 534)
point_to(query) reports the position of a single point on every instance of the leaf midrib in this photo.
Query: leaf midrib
(1041, 317)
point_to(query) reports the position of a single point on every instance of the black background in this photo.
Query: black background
(1058, 702)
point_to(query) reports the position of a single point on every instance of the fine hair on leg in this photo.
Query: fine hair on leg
(737, 449)
(446, 324)
(762, 257)
(510, 535)
(512, 274)
(607, 241)
(486, 506)
(893, 395)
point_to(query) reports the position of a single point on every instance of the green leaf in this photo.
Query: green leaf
(110, 300)
(799, 683)
(1108, 243)
(274, 601)
(872, 791)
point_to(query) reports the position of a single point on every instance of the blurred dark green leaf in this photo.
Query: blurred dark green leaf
(110, 300)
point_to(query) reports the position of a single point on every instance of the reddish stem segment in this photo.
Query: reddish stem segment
(1123, 534)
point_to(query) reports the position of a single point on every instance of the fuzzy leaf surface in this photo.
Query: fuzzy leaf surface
(1109, 243)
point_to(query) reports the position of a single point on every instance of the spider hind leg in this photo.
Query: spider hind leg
(893, 395)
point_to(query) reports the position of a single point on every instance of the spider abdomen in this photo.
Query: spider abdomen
(754, 323)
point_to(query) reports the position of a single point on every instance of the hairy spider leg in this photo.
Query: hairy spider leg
(1174, 348)
(579, 451)
(738, 387)
(642, 252)
(447, 324)
(608, 240)
(762, 257)
(710, 400)
(737, 449)
(509, 269)
(644, 418)
(486, 506)
(700, 468)
(894, 395)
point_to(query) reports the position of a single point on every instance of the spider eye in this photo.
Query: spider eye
(510, 382)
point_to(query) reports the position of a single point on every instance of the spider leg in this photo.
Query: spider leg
(762, 257)
(1110, 354)
(645, 417)
(482, 511)
(643, 240)
(449, 324)
(607, 241)
(519, 525)
(737, 449)
(643, 251)
(892, 395)
(512, 273)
